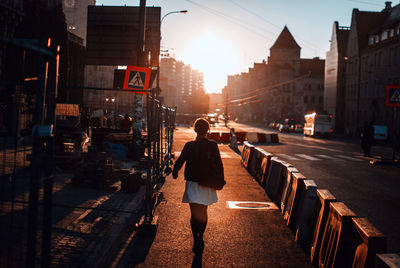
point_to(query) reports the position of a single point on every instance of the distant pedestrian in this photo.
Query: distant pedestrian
(196, 154)
(367, 137)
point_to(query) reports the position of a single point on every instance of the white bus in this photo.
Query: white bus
(318, 125)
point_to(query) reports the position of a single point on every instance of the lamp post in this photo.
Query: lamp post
(159, 61)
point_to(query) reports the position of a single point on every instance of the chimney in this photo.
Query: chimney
(388, 6)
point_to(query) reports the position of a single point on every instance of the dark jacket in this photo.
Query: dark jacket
(197, 155)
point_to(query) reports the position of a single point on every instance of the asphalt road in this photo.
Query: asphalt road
(371, 191)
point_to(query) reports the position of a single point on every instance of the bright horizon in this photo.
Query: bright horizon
(226, 37)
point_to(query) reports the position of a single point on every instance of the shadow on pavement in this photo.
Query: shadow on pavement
(138, 249)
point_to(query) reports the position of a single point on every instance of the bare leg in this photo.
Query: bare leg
(198, 222)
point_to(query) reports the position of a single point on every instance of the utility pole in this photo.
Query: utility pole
(138, 98)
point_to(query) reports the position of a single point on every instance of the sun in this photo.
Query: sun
(214, 56)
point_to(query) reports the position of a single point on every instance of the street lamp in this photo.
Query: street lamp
(159, 60)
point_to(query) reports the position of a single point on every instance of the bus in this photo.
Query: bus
(318, 125)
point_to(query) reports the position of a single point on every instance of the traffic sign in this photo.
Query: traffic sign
(392, 98)
(137, 79)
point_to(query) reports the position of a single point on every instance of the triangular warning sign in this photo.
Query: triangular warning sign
(136, 81)
(396, 96)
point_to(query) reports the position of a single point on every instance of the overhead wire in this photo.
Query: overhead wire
(310, 45)
(243, 97)
(232, 19)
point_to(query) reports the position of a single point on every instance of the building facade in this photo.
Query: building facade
(360, 68)
(182, 87)
(334, 100)
(286, 86)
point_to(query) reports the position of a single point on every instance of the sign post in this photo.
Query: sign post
(137, 79)
(392, 99)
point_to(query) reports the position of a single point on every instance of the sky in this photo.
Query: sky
(226, 37)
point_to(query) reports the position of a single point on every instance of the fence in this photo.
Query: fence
(27, 115)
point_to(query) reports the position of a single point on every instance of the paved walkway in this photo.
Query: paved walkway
(234, 237)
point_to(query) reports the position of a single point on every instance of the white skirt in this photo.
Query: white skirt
(196, 193)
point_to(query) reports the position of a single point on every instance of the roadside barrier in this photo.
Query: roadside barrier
(262, 137)
(213, 136)
(387, 260)
(255, 164)
(372, 242)
(293, 198)
(286, 177)
(241, 136)
(225, 137)
(334, 247)
(246, 153)
(324, 197)
(274, 180)
(252, 137)
(265, 167)
(328, 231)
(274, 138)
(304, 215)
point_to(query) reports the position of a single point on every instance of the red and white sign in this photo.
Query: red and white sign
(137, 79)
(392, 97)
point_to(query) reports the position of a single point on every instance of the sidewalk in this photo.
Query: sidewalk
(234, 237)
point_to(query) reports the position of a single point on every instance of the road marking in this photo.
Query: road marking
(348, 158)
(327, 157)
(308, 157)
(251, 205)
(288, 157)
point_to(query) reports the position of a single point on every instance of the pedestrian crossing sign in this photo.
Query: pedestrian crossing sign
(137, 79)
(392, 98)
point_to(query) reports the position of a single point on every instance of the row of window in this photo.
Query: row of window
(385, 34)
(312, 100)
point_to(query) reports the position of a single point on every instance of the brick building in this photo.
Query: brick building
(182, 87)
(368, 62)
(285, 86)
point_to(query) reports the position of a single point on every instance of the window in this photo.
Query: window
(371, 40)
(312, 99)
(305, 99)
(384, 35)
(391, 32)
(320, 100)
(376, 39)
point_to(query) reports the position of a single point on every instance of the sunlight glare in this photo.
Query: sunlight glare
(214, 56)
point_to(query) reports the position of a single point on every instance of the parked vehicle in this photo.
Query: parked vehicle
(283, 128)
(297, 128)
(318, 125)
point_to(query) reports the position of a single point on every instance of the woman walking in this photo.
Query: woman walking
(203, 161)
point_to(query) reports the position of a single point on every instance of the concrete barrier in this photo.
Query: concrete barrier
(262, 137)
(303, 222)
(274, 180)
(324, 197)
(255, 166)
(371, 242)
(334, 251)
(265, 166)
(241, 136)
(293, 197)
(286, 178)
(248, 149)
(274, 138)
(213, 136)
(388, 260)
(252, 137)
(225, 137)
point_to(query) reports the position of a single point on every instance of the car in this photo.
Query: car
(283, 128)
(298, 128)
